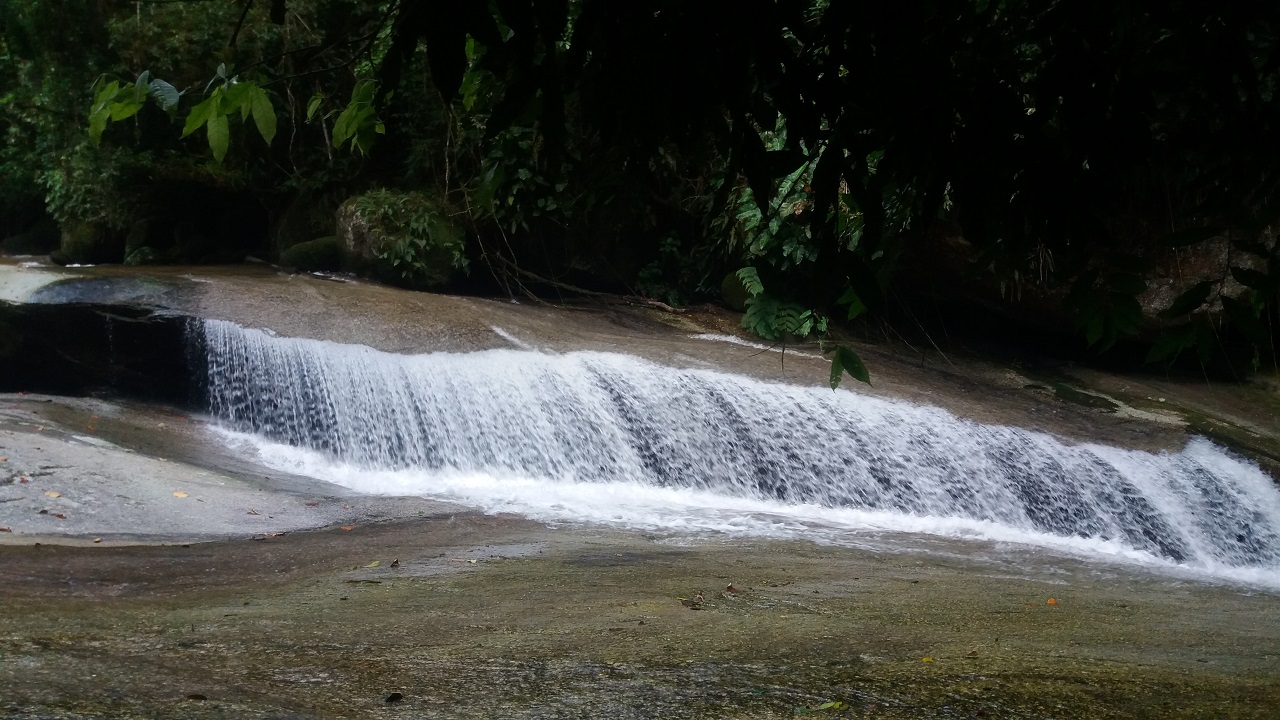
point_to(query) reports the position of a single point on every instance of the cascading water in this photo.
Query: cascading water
(610, 437)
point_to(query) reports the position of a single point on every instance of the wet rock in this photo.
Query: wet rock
(732, 294)
(322, 254)
(86, 243)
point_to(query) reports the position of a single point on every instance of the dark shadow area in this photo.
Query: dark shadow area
(100, 350)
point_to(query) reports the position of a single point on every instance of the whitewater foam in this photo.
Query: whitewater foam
(606, 438)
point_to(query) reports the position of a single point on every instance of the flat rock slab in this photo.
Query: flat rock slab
(590, 622)
(64, 478)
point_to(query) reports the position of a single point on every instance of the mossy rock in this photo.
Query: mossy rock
(733, 294)
(144, 255)
(403, 238)
(88, 244)
(322, 254)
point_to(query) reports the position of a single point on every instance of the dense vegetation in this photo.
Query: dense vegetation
(821, 163)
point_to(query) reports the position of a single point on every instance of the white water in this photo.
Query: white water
(610, 438)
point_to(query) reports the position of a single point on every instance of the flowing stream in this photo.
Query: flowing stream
(588, 436)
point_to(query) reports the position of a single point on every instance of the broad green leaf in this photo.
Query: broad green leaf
(264, 116)
(164, 93)
(314, 104)
(847, 361)
(362, 93)
(124, 109)
(219, 136)
(106, 93)
(1189, 300)
(201, 113)
(238, 97)
(850, 298)
(97, 124)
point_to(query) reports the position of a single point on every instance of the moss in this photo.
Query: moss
(322, 254)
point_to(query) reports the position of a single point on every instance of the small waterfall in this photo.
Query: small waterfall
(593, 418)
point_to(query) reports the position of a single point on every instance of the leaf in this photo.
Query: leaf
(850, 298)
(347, 528)
(374, 564)
(1245, 320)
(201, 113)
(1189, 300)
(782, 163)
(1252, 279)
(926, 659)
(52, 493)
(238, 97)
(750, 279)
(219, 136)
(847, 361)
(125, 109)
(264, 116)
(1051, 601)
(164, 93)
(179, 493)
(98, 124)
(314, 104)
(1169, 346)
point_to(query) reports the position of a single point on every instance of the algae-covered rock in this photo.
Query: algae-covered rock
(732, 293)
(322, 254)
(405, 238)
(86, 243)
(144, 255)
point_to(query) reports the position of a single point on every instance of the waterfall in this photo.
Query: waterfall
(590, 420)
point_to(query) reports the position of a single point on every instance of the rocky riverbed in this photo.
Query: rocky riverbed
(147, 570)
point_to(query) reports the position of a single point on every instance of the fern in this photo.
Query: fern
(750, 280)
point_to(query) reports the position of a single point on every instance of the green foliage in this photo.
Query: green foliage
(750, 278)
(665, 277)
(416, 238)
(86, 185)
(213, 113)
(1190, 300)
(1106, 303)
(845, 361)
(780, 320)
(358, 123)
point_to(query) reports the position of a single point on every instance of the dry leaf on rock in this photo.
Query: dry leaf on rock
(347, 528)
(52, 493)
(179, 494)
